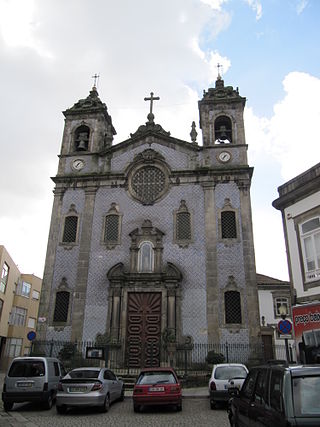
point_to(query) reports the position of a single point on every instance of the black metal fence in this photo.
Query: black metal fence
(195, 358)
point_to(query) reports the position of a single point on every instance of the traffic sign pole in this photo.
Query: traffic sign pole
(285, 327)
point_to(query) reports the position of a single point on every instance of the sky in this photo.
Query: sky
(50, 49)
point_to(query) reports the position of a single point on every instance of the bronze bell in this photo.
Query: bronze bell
(82, 141)
(82, 145)
(223, 132)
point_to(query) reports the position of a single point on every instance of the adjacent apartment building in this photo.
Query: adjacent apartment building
(299, 203)
(19, 304)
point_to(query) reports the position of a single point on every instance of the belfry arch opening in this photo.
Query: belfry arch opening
(81, 138)
(223, 130)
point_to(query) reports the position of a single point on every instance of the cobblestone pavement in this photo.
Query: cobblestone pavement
(196, 412)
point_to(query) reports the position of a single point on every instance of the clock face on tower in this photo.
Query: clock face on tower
(78, 164)
(224, 156)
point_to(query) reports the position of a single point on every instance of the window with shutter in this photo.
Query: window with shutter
(61, 307)
(70, 229)
(232, 302)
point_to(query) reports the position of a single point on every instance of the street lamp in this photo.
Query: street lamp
(283, 313)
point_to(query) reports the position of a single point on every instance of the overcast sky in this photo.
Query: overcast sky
(50, 49)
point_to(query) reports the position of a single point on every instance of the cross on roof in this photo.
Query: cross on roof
(151, 99)
(96, 78)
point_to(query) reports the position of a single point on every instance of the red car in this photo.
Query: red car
(157, 386)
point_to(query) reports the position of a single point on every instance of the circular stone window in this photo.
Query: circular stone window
(148, 184)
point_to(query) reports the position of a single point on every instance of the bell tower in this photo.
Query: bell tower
(231, 271)
(87, 133)
(221, 116)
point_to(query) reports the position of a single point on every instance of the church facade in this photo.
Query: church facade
(152, 237)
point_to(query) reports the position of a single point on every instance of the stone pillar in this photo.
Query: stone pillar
(211, 263)
(79, 300)
(171, 311)
(53, 241)
(116, 302)
(252, 308)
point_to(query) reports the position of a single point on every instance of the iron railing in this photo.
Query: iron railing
(194, 358)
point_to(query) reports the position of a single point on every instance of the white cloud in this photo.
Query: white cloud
(18, 27)
(281, 148)
(294, 125)
(214, 4)
(302, 4)
(256, 7)
(291, 133)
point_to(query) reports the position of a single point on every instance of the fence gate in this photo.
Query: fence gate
(143, 329)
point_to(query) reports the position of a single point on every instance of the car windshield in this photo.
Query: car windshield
(29, 368)
(86, 373)
(306, 391)
(228, 372)
(156, 378)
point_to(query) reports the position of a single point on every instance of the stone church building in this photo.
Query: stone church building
(153, 235)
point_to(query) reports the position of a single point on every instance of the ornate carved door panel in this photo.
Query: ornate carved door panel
(144, 329)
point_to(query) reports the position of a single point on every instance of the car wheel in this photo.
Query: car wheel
(7, 406)
(61, 409)
(106, 404)
(49, 402)
(213, 405)
(179, 407)
(136, 408)
(121, 398)
(233, 421)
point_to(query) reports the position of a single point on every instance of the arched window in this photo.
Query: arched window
(81, 138)
(146, 258)
(223, 130)
(61, 308)
(232, 303)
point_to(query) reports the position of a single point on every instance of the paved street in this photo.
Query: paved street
(195, 412)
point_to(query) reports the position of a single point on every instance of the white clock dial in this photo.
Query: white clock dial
(224, 156)
(78, 164)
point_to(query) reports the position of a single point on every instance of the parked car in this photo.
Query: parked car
(157, 386)
(89, 387)
(224, 376)
(277, 395)
(32, 379)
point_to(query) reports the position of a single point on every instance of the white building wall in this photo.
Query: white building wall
(290, 213)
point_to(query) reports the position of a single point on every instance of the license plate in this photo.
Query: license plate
(231, 386)
(25, 384)
(77, 389)
(156, 389)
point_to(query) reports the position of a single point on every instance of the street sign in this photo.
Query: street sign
(285, 326)
(31, 335)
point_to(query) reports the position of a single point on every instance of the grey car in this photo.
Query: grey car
(89, 387)
(32, 379)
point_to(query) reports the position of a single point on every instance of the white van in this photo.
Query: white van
(32, 379)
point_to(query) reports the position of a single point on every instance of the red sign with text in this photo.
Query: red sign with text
(306, 322)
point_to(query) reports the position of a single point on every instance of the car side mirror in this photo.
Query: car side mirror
(233, 391)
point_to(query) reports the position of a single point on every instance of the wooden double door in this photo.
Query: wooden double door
(143, 329)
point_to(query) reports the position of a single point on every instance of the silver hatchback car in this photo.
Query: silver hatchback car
(89, 387)
(225, 376)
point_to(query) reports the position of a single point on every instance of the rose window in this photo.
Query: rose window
(148, 184)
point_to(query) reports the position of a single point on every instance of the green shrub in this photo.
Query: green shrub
(214, 358)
